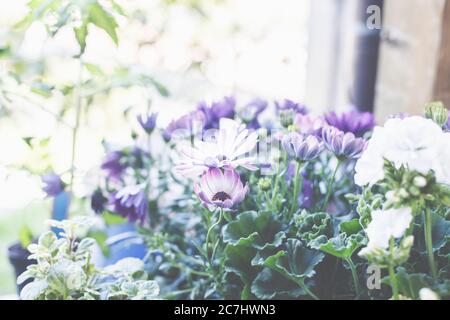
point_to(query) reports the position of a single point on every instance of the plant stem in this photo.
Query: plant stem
(277, 180)
(302, 284)
(76, 127)
(245, 292)
(330, 185)
(208, 234)
(392, 276)
(428, 224)
(298, 179)
(354, 276)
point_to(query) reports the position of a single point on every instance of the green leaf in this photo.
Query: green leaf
(409, 285)
(41, 89)
(296, 261)
(25, 236)
(341, 246)
(313, 225)
(94, 69)
(111, 218)
(100, 237)
(440, 231)
(350, 227)
(270, 284)
(254, 229)
(81, 35)
(103, 20)
(238, 260)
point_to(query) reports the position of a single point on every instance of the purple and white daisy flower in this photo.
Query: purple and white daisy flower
(302, 148)
(343, 145)
(221, 189)
(230, 147)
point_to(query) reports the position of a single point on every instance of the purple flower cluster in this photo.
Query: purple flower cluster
(287, 104)
(355, 122)
(117, 161)
(189, 124)
(217, 110)
(251, 112)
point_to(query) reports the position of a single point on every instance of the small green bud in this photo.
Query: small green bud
(265, 184)
(287, 118)
(292, 128)
(437, 112)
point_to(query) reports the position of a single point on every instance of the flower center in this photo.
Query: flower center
(221, 196)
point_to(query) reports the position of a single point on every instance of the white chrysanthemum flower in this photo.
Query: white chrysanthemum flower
(386, 224)
(369, 168)
(428, 294)
(414, 142)
(441, 164)
(230, 148)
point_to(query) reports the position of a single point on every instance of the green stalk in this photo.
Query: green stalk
(392, 276)
(354, 276)
(298, 179)
(428, 224)
(76, 128)
(302, 284)
(277, 180)
(208, 234)
(330, 185)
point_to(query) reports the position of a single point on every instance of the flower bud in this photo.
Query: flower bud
(420, 181)
(437, 112)
(265, 184)
(287, 117)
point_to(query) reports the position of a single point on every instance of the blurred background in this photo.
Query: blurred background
(76, 73)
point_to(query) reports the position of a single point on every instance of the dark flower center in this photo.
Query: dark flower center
(221, 196)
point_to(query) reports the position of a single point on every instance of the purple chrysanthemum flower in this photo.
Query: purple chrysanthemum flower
(189, 124)
(343, 145)
(114, 164)
(251, 111)
(224, 108)
(287, 104)
(98, 201)
(220, 189)
(355, 122)
(53, 185)
(147, 121)
(131, 203)
(302, 148)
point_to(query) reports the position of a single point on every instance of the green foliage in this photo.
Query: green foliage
(255, 229)
(64, 270)
(310, 226)
(410, 283)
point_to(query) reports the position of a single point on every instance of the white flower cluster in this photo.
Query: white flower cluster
(386, 224)
(415, 142)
